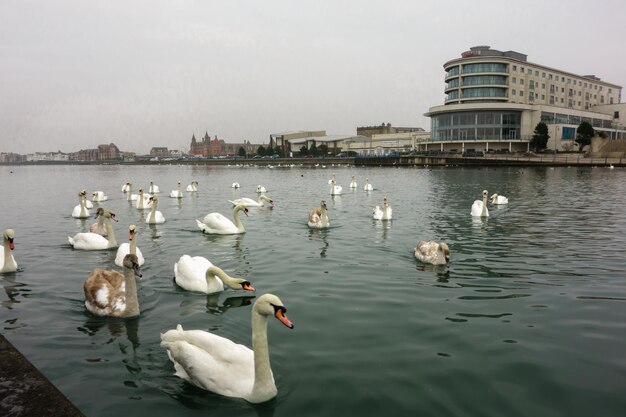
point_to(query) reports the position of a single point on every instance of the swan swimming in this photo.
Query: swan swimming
(153, 189)
(155, 216)
(199, 274)
(235, 185)
(432, 252)
(7, 261)
(334, 188)
(98, 196)
(367, 186)
(385, 213)
(143, 201)
(177, 193)
(249, 202)
(219, 365)
(479, 208)
(216, 223)
(193, 187)
(260, 189)
(88, 203)
(318, 217)
(94, 241)
(353, 183)
(81, 211)
(98, 227)
(126, 187)
(109, 293)
(498, 199)
(130, 247)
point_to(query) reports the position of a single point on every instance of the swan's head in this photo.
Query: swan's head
(270, 305)
(141, 191)
(9, 235)
(445, 251)
(151, 182)
(241, 207)
(132, 229)
(131, 262)
(110, 215)
(153, 199)
(485, 193)
(268, 199)
(323, 205)
(99, 212)
(493, 198)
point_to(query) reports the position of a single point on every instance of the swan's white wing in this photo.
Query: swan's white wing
(211, 362)
(248, 202)
(89, 241)
(217, 223)
(124, 250)
(477, 208)
(190, 273)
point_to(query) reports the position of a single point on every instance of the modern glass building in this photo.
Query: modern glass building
(495, 99)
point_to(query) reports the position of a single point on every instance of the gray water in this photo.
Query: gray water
(529, 318)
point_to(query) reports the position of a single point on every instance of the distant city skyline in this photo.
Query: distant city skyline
(144, 74)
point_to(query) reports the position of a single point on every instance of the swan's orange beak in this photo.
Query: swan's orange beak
(11, 245)
(280, 315)
(131, 235)
(245, 211)
(247, 286)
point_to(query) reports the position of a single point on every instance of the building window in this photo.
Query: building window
(521, 81)
(514, 67)
(536, 73)
(543, 97)
(514, 80)
(530, 72)
(543, 86)
(549, 76)
(513, 92)
(551, 99)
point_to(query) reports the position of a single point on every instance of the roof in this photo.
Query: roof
(327, 138)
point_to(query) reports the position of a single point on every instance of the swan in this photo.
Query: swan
(498, 199)
(109, 293)
(153, 189)
(367, 186)
(177, 193)
(353, 183)
(385, 213)
(216, 223)
(235, 185)
(335, 189)
(260, 189)
(7, 261)
(98, 196)
(377, 213)
(199, 274)
(248, 202)
(126, 187)
(432, 252)
(219, 365)
(155, 216)
(129, 195)
(330, 181)
(318, 217)
(130, 247)
(98, 227)
(143, 201)
(80, 211)
(193, 187)
(94, 241)
(479, 208)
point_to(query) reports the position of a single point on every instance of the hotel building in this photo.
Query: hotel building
(494, 100)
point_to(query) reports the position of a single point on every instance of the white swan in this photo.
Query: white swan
(153, 189)
(335, 189)
(126, 187)
(88, 203)
(177, 193)
(98, 196)
(80, 211)
(498, 199)
(94, 241)
(432, 252)
(199, 274)
(98, 227)
(7, 261)
(109, 293)
(384, 213)
(330, 181)
(353, 183)
(318, 217)
(130, 247)
(155, 216)
(260, 189)
(479, 208)
(219, 365)
(367, 186)
(216, 223)
(143, 201)
(235, 185)
(248, 202)
(193, 187)
(129, 194)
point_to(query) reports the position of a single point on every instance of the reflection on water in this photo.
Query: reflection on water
(320, 235)
(199, 303)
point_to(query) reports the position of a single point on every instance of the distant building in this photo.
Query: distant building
(10, 157)
(384, 129)
(47, 156)
(215, 147)
(159, 152)
(101, 153)
(494, 100)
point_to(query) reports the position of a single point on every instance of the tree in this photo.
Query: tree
(269, 151)
(540, 137)
(324, 149)
(260, 150)
(584, 133)
(303, 150)
(242, 151)
(313, 149)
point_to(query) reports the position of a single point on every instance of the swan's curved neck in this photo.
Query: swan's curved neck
(7, 254)
(263, 378)
(133, 246)
(83, 207)
(132, 303)
(324, 215)
(215, 271)
(484, 212)
(128, 194)
(236, 218)
(110, 233)
(140, 202)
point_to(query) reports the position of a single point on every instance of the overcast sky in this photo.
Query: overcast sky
(75, 74)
